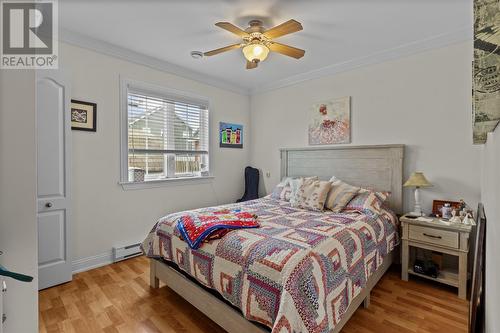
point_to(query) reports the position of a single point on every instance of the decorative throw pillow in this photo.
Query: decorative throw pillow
(294, 187)
(383, 195)
(276, 193)
(340, 194)
(295, 184)
(282, 190)
(312, 194)
(287, 189)
(367, 202)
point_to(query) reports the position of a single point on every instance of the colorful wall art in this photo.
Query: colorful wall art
(230, 135)
(330, 122)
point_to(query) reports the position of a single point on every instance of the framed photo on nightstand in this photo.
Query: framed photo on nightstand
(438, 204)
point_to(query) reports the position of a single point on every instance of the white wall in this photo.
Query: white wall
(103, 213)
(490, 196)
(18, 229)
(423, 101)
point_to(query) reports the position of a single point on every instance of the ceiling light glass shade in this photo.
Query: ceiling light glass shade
(255, 52)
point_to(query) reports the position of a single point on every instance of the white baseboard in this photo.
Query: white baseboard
(85, 264)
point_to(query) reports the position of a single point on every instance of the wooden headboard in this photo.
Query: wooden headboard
(377, 167)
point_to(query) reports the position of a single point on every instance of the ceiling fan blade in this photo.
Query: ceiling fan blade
(287, 50)
(232, 28)
(222, 49)
(283, 29)
(251, 64)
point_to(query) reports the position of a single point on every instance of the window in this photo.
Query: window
(167, 136)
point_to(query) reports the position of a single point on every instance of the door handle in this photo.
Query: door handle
(48, 204)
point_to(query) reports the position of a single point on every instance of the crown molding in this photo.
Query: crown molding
(435, 42)
(113, 50)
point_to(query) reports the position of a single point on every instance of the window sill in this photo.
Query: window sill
(166, 182)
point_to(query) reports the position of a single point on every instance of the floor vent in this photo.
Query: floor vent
(125, 252)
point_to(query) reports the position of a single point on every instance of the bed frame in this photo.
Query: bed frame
(375, 167)
(378, 167)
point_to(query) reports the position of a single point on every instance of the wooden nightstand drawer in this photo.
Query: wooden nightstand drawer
(434, 236)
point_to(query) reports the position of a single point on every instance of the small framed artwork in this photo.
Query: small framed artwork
(83, 116)
(230, 135)
(438, 204)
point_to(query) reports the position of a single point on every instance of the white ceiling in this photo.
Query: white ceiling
(336, 32)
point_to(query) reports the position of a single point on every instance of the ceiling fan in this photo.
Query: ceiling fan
(257, 41)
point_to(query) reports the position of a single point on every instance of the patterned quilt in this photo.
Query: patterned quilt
(298, 272)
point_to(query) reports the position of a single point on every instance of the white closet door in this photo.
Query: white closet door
(53, 143)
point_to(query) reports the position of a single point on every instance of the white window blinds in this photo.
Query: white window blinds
(167, 137)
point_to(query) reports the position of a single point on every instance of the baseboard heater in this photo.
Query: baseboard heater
(125, 252)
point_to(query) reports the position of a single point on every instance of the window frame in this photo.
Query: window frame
(161, 92)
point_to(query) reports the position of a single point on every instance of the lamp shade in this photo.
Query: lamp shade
(417, 179)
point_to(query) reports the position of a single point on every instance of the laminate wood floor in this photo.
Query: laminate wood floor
(117, 298)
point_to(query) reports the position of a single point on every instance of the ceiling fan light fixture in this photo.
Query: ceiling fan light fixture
(257, 41)
(255, 52)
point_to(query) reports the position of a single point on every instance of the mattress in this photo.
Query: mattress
(298, 272)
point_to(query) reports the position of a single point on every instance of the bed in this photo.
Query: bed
(301, 270)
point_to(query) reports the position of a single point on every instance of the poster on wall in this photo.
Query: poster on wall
(486, 83)
(330, 122)
(230, 135)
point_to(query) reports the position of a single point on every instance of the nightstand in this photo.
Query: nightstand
(434, 235)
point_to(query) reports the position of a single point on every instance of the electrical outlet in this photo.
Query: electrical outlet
(268, 174)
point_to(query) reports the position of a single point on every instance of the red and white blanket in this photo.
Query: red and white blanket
(196, 227)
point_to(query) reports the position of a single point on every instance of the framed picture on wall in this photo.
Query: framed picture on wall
(230, 135)
(83, 116)
(330, 122)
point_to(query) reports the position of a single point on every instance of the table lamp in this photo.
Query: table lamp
(417, 180)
